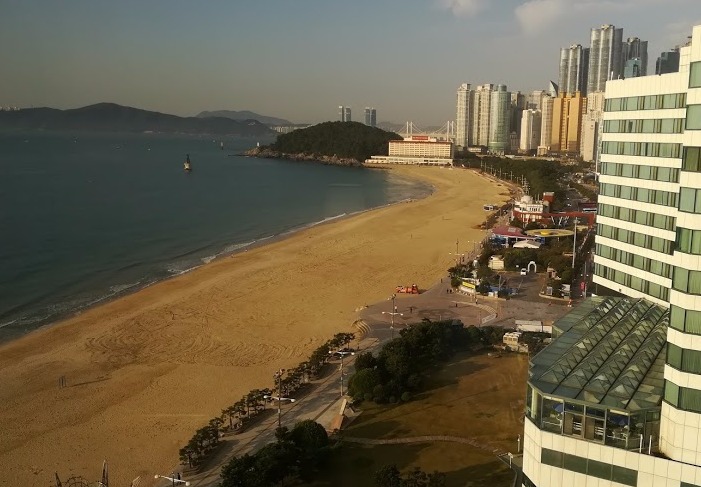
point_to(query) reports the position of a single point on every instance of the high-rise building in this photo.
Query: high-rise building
(605, 53)
(370, 117)
(462, 117)
(616, 398)
(481, 112)
(634, 48)
(574, 65)
(518, 103)
(668, 62)
(568, 110)
(633, 68)
(344, 113)
(499, 141)
(530, 130)
(546, 125)
(534, 100)
(591, 124)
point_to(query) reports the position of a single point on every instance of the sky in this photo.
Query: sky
(300, 59)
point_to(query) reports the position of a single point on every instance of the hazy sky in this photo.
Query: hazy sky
(300, 59)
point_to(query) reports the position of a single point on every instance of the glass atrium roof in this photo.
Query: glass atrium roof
(611, 352)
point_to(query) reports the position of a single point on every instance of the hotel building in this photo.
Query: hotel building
(417, 149)
(616, 398)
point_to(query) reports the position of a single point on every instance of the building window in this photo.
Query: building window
(593, 468)
(686, 281)
(682, 397)
(688, 321)
(691, 161)
(671, 393)
(695, 75)
(650, 102)
(689, 241)
(693, 117)
(690, 399)
(689, 200)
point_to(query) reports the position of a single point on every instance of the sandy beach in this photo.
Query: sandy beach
(145, 371)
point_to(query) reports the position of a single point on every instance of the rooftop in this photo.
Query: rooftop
(611, 351)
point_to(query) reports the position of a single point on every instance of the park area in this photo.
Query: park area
(476, 399)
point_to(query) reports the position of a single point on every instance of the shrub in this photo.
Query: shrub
(406, 397)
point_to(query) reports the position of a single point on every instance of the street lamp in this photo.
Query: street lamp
(173, 479)
(279, 398)
(342, 353)
(392, 314)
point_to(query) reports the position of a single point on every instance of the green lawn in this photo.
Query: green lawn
(476, 397)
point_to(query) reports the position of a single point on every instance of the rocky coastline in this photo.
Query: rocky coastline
(267, 153)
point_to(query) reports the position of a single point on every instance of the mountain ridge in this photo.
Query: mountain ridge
(244, 115)
(111, 117)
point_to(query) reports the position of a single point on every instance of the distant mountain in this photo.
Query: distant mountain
(244, 115)
(109, 117)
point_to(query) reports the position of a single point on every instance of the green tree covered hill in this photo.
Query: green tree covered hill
(342, 139)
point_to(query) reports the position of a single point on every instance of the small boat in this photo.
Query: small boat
(187, 165)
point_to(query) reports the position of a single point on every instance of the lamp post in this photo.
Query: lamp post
(342, 354)
(173, 479)
(279, 398)
(392, 314)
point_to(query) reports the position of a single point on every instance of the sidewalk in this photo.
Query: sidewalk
(321, 404)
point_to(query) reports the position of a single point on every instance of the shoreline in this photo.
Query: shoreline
(150, 281)
(167, 358)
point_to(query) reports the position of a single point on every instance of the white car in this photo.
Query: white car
(524, 272)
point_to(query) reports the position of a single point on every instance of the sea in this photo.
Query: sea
(88, 218)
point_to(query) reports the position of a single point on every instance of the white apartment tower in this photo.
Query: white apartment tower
(605, 57)
(546, 125)
(574, 64)
(616, 398)
(530, 130)
(462, 117)
(591, 125)
(481, 111)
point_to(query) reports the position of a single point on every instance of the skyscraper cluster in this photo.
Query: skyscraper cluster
(566, 118)
(344, 115)
(484, 117)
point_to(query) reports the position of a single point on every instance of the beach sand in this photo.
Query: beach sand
(145, 371)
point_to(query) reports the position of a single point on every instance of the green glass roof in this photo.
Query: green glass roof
(611, 352)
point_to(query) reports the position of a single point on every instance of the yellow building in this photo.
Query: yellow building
(568, 109)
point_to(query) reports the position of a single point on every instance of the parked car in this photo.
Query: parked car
(524, 272)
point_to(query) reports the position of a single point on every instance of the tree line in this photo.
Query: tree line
(237, 416)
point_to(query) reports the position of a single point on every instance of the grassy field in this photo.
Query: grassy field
(477, 397)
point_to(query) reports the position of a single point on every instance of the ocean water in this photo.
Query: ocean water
(86, 218)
